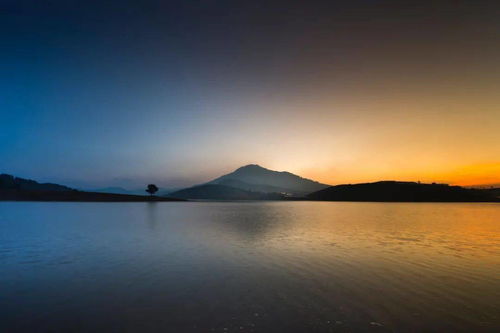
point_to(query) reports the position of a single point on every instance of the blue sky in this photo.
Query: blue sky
(101, 93)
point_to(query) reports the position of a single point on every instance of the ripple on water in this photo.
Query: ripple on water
(263, 267)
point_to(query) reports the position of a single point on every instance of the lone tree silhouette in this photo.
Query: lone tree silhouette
(152, 189)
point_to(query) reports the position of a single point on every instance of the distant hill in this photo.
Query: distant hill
(20, 189)
(492, 191)
(251, 182)
(165, 191)
(121, 190)
(401, 191)
(16, 183)
(114, 190)
(74, 195)
(222, 192)
(253, 177)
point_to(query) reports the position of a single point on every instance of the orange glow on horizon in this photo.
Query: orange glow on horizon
(471, 175)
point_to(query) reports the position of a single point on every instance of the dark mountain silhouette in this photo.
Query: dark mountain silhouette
(252, 182)
(228, 188)
(494, 191)
(19, 189)
(26, 195)
(222, 192)
(252, 187)
(165, 191)
(121, 190)
(8, 182)
(402, 192)
(116, 190)
(253, 177)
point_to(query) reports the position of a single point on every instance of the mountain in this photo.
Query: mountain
(8, 182)
(75, 196)
(120, 190)
(492, 191)
(222, 192)
(402, 192)
(255, 178)
(114, 190)
(252, 182)
(20, 189)
(165, 191)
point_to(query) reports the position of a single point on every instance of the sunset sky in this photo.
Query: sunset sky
(120, 93)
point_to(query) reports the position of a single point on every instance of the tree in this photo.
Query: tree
(152, 189)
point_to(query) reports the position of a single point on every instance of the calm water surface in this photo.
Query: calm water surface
(249, 267)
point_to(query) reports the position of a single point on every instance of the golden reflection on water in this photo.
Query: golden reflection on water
(300, 266)
(392, 261)
(419, 230)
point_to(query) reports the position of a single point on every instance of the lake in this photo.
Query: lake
(249, 267)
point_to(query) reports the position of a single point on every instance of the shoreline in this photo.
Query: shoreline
(78, 196)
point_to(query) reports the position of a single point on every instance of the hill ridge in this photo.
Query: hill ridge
(401, 191)
(258, 178)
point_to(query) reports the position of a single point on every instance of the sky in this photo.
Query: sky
(123, 93)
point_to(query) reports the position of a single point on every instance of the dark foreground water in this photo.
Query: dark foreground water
(249, 267)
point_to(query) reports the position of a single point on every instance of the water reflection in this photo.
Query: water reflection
(249, 266)
(250, 221)
(151, 212)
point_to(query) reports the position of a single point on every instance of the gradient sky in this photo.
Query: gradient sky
(101, 93)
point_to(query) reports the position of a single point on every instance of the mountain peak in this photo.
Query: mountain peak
(254, 177)
(250, 167)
